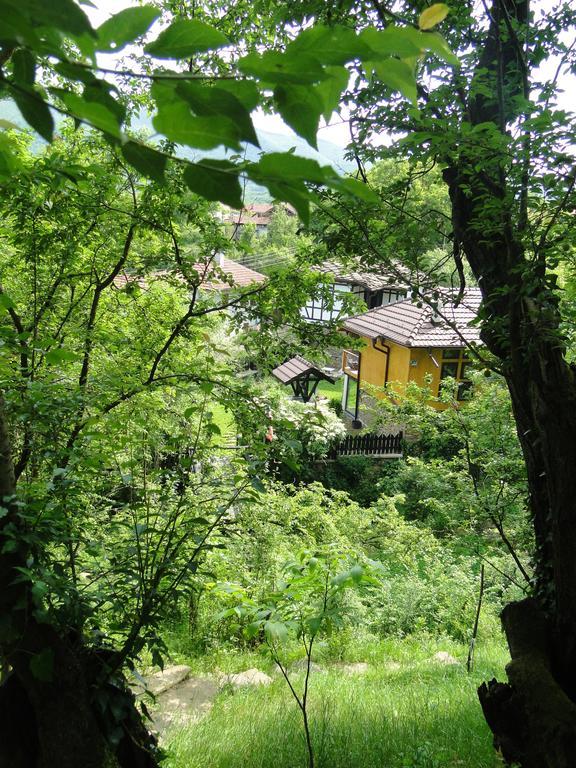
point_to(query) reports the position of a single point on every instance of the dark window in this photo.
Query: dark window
(455, 364)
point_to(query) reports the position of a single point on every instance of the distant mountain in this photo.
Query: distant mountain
(328, 153)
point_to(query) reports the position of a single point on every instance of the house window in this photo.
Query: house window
(351, 363)
(350, 395)
(455, 364)
(319, 309)
(383, 297)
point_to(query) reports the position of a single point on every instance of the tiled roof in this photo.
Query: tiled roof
(256, 213)
(211, 275)
(377, 278)
(240, 276)
(411, 326)
(294, 368)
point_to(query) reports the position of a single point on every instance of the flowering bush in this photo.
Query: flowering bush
(295, 431)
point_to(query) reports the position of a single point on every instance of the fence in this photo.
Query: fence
(368, 445)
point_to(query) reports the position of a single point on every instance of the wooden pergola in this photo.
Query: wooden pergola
(302, 376)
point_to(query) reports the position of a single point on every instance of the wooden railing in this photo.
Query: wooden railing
(368, 445)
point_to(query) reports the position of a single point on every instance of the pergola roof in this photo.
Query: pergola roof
(296, 368)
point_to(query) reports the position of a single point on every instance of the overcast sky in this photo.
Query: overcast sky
(337, 132)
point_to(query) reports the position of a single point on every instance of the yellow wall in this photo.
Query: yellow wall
(373, 366)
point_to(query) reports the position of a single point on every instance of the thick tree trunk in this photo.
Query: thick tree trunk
(59, 711)
(533, 717)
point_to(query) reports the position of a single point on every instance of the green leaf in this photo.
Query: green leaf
(125, 26)
(357, 572)
(64, 15)
(5, 301)
(42, 665)
(285, 166)
(35, 111)
(397, 75)
(300, 107)
(185, 38)
(275, 67)
(276, 631)
(24, 63)
(392, 41)
(314, 624)
(433, 16)
(72, 71)
(299, 197)
(60, 355)
(177, 124)
(147, 160)
(330, 45)
(215, 180)
(245, 91)
(355, 187)
(330, 90)
(206, 100)
(252, 629)
(436, 44)
(94, 113)
(408, 43)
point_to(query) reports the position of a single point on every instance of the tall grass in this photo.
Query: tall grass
(407, 711)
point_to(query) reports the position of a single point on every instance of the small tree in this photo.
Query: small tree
(306, 605)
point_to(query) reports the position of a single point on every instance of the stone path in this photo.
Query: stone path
(182, 699)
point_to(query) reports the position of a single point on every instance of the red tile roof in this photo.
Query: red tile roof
(219, 274)
(227, 274)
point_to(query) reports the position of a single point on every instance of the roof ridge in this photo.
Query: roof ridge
(377, 309)
(414, 332)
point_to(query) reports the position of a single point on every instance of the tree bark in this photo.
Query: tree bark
(66, 714)
(533, 717)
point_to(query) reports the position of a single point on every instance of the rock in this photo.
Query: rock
(357, 668)
(249, 677)
(302, 664)
(184, 703)
(163, 681)
(443, 657)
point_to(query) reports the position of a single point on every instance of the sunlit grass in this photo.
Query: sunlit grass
(406, 711)
(331, 391)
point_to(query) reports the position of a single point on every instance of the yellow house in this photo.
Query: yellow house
(405, 342)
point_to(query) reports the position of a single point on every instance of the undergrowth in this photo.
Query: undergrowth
(406, 711)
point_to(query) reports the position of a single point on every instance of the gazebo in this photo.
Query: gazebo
(302, 376)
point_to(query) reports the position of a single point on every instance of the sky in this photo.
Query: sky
(337, 131)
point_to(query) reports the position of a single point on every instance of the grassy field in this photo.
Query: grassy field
(406, 711)
(332, 391)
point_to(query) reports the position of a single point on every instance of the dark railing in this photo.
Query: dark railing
(367, 445)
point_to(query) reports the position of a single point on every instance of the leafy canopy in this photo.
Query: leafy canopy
(49, 63)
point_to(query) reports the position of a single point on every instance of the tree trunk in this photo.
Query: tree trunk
(58, 708)
(533, 717)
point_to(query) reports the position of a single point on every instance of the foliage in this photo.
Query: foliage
(111, 366)
(301, 432)
(464, 475)
(48, 60)
(403, 711)
(306, 603)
